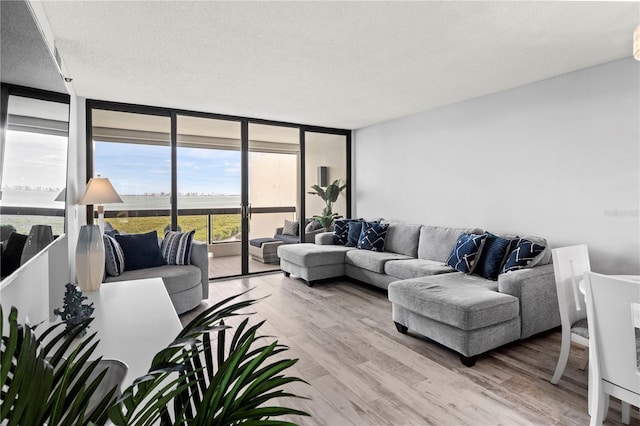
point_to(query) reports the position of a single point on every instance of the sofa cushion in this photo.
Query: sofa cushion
(373, 236)
(524, 254)
(414, 268)
(354, 229)
(287, 239)
(176, 278)
(436, 242)
(465, 252)
(176, 247)
(492, 255)
(141, 251)
(371, 260)
(308, 255)
(403, 238)
(113, 256)
(341, 231)
(457, 303)
(290, 227)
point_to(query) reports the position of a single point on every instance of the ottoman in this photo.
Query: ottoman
(265, 250)
(469, 317)
(312, 262)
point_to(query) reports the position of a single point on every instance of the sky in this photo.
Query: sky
(135, 169)
(34, 159)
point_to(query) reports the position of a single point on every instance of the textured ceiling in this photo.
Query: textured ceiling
(26, 60)
(336, 64)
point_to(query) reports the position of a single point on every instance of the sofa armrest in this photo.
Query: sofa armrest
(536, 289)
(200, 258)
(324, 238)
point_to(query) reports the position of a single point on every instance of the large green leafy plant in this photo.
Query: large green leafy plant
(196, 380)
(329, 195)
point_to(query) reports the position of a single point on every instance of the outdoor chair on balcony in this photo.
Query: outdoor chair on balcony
(290, 232)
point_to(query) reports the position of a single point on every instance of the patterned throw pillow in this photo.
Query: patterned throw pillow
(176, 247)
(372, 236)
(341, 231)
(491, 257)
(523, 252)
(464, 253)
(354, 231)
(290, 227)
(113, 256)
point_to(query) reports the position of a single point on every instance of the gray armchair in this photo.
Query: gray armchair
(309, 236)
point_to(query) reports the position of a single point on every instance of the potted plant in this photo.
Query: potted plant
(45, 376)
(329, 196)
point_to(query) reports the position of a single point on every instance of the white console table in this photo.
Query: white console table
(134, 320)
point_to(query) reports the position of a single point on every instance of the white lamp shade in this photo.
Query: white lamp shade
(100, 191)
(636, 43)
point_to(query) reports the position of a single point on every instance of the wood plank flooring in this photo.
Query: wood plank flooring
(361, 371)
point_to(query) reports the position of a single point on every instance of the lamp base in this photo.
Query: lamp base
(90, 258)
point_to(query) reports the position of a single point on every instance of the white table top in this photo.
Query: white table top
(134, 320)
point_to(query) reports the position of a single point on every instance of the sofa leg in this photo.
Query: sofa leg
(286, 274)
(469, 361)
(401, 328)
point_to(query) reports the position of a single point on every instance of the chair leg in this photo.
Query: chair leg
(564, 356)
(626, 413)
(601, 408)
(585, 359)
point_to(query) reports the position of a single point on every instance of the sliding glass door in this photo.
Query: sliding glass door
(273, 191)
(209, 187)
(237, 182)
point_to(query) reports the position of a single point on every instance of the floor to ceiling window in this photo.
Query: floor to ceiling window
(233, 180)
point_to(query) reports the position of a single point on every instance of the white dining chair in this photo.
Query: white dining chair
(613, 309)
(569, 265)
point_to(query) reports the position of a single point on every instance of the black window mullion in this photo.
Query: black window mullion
(174, 171)
(303, 184)
(244, 197)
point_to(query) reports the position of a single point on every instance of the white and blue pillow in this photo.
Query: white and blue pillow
(522, 253)
(176, 247)
(341, 231)
(113, 256)
(465, 252)
(373, 236)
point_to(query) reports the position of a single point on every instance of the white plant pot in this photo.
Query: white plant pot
(90, 258)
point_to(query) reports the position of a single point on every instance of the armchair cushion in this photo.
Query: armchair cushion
(290, 227)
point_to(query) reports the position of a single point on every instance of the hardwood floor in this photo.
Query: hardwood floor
(362, 371)
(232, 265)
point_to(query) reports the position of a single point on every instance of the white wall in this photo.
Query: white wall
(558, 159)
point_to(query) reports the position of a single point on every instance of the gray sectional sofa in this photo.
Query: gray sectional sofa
(187, 285)
(463, 312)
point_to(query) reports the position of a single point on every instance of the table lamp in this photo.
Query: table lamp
(99, 192)
(90, 247)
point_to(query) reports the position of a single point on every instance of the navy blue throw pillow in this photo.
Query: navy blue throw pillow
(140, 250)
(523, 253)
(372, 236)
(341, 231)
(464, 253)
(491, 257)
(355, 229)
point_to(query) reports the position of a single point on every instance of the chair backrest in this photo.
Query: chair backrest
(613, 305)
(569, 265)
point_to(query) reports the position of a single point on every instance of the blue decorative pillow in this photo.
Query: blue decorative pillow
(372, 236)
(491, 257)
(176, 247)
(113, 256)
(523, 253)
(140, 250)
(464, 253)
(353, 235)
(341, 231)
